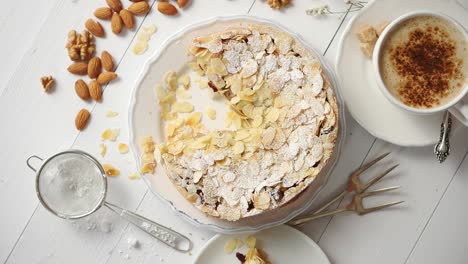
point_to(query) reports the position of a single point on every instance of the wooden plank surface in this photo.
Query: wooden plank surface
(428, 228)
(20, 24)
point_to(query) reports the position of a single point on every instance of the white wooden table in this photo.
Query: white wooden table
(431, 227)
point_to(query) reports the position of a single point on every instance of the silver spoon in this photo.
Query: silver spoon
(442, 148)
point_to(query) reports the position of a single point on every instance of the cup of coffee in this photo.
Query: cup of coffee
(421, 64)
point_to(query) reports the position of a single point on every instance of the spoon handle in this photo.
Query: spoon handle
(166, 235)
(442, 148)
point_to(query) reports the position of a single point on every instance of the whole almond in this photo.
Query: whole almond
(95, 90)
(106, 77)
(127, 18)
(81, 119)
(79, 68)
(182, 3)
(81, 89)
(116, 5)
(94, 27)
(116, 23)
(167, 9)
(94, 67)
(106, 60)
(139, 8)
(103, 13)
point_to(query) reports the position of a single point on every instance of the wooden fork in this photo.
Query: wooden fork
(356, 186)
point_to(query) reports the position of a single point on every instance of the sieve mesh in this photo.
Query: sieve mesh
(71, 185)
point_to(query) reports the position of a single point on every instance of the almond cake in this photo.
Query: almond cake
(285, 116)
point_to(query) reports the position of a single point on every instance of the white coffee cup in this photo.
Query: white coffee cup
(458, 106)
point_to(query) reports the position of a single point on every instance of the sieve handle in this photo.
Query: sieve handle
(164, 234)
(28, 162)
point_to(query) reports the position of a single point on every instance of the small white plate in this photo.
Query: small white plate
(358, 83)
(282, 244)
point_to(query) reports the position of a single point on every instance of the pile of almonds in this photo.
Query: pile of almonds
(88, 64)
(120, 16)
(81, 49)
(92, 68)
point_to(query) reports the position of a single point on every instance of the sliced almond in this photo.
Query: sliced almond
(140, 47)
(273, 115)
(79, 68)
(116, 23)
(151, 29)
(81, 119)
(123, 148)
(111, 114)
(230, 246)
(170, 78)
(250, 241)
(106, 60)
(134, 176)
(176, 148)
(111, 170)
(170, 129)
(183, 94)
(184, 80)
(268, 136)
(106, 77)
(103, 13)
(238, 148)
(103, 148)
(94, 27)
(193, 119)
(127, 18)
(147, 168)
(95, 90)
(94, 67)
(81, 89)
(110, 134)
(211, 113)
(182, 107)
(139, 8)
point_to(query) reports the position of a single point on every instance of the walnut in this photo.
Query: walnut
(277, 4)
(47, 82)
(80, 46)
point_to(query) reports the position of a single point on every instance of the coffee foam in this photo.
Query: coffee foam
(400, 35)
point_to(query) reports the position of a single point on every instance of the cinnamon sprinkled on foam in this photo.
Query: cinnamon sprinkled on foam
(427, 64)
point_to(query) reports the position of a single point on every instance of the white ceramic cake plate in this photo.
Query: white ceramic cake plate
(144, 120)
(358, 83)
(282, 244)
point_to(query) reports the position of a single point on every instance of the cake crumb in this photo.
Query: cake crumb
(133, 242)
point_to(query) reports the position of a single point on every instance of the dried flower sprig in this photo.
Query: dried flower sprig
(354, 5)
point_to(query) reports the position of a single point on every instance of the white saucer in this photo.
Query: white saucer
(359, 87)
(282, 244)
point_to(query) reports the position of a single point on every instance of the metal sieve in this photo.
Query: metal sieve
(72, 184)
